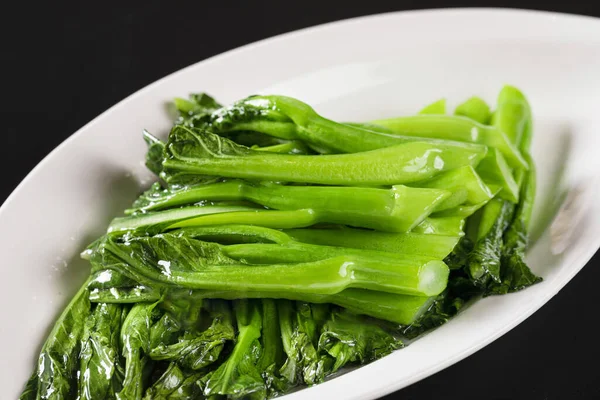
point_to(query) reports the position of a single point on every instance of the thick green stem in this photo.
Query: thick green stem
(331, 242)
(202, 153)
(445, 225)
(329, 276)
(271, 336)
(398, 308)
(528, 190)
(396, 210)
(294, 252)
(455, 128)
(512, 114)
(162, 219)
(465, 185)
(265, 218)
(435, 246)
(325, 133)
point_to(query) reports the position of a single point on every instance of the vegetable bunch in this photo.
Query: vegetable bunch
(278, 246)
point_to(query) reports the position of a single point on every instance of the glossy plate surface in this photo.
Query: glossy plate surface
(365, 68)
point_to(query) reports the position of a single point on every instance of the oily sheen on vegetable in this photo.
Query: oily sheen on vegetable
(277, 247)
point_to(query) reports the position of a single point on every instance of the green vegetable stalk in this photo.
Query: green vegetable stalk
(457, 128)
(158, 261)
(157, 222)
(397, 209)
(398, 308)
(190, 154)
(498, 253)
(494, 170)
(435, 246)
(465, 185)
(451, 225)
(288, 118)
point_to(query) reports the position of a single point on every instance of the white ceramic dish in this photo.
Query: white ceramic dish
(358, 69)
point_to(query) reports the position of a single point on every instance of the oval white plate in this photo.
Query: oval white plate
(364, 68)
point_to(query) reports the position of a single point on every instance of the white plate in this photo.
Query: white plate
(370, 67)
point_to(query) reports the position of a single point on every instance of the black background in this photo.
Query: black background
(63, 63)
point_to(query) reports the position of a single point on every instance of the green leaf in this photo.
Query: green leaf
(515, 273)
(154, 155)
(239, 376)
(165, 331)
(460, 254)
(58, 359)
(445, 306)
(484, 260)
(99, 357)
(174, 383)
(350, 338)
(194, 111)
(301, 324)
(135, 340)
(195, 351)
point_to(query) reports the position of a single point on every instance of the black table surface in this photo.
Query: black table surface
(63, 63)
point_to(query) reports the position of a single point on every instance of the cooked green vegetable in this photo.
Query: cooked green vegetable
(487, 260)
(515, 273)
(484, 260)
(192, 153)
(59, 358)
(465, 185)
(175, 384)
(180, 260)
(494, 170)
(476, 109)
(288, 118)
(457, 128)
(402, 309)
(197, 351)
(280, 247)
(157, 222)
(100, 370)
(349, 338)
(239, 375)
(397, 209)
(135, 339)
(436, 246)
